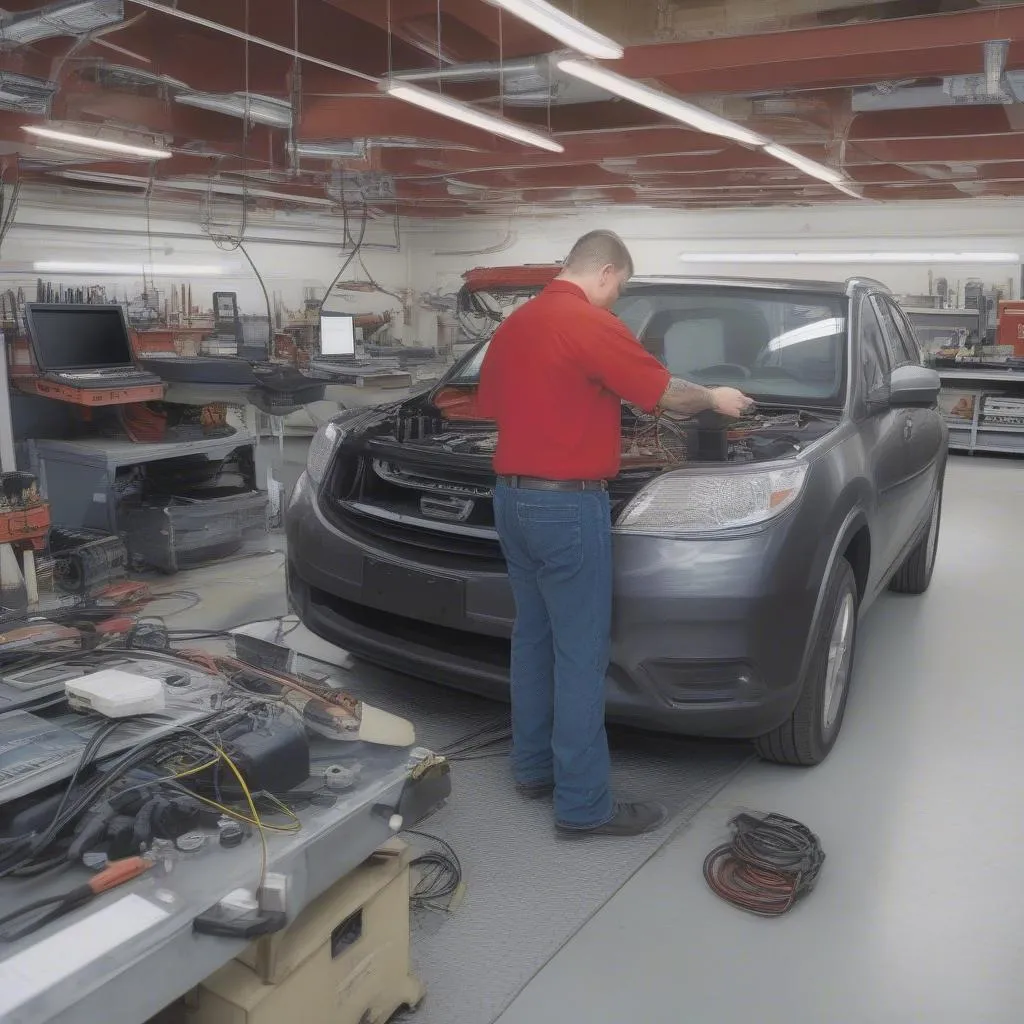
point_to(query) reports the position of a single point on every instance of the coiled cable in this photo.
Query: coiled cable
(769, 864)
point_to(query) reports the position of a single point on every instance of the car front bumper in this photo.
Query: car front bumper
(708, 636)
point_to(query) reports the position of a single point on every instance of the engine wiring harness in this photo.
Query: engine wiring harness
(770, 863)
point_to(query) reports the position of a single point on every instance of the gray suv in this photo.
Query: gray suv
(745, 551)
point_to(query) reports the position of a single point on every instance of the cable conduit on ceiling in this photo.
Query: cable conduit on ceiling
(198, 237)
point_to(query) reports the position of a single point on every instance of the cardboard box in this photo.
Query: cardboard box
(345, 959)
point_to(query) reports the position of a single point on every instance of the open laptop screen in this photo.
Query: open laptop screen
(78, 337)
(337, 334)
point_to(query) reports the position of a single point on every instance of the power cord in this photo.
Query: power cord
(440, 874)
(769, 864)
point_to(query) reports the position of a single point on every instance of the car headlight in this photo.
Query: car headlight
(686, 502)
(321, 450)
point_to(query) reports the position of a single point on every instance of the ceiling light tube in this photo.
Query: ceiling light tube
(457, 111)
(965, 258)
(805, 164)
(103, 145)
(553, 22)
(128, 269)
(847, 190)
(660, 102)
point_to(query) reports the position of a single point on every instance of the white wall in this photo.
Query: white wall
(657, 238)
(291, 252)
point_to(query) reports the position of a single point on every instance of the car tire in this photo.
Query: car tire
(810, 733)
(915, 574)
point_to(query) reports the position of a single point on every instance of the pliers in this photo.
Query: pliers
(117, 873)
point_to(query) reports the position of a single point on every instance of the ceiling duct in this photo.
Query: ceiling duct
(128, 79)
(25, 94)
(260, 109)
(995, 86)
(70, 18)
(996, 51)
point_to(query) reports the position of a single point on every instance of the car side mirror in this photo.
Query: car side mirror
(913, 387)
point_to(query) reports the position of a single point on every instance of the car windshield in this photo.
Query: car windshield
(779, 346)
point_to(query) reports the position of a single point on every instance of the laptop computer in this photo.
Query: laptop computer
(84, 346)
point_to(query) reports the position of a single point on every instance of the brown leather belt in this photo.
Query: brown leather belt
(536, 483)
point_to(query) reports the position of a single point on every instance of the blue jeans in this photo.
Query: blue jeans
(558, 545)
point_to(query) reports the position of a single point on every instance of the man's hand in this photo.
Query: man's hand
(730, 402)
(683, 399)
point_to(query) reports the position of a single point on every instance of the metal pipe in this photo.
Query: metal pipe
(195, 19)
(132, 233)
(471, 72)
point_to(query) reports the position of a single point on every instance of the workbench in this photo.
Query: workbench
(127, 955)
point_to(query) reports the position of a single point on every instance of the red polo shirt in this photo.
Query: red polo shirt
(553, 379)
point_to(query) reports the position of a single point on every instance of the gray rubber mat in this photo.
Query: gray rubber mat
(528, 892)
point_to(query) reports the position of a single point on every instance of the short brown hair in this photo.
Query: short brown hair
(597, 249)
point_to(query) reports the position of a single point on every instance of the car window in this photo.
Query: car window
(773, 344)
(898, 349)
(907, 333)
(875, 362)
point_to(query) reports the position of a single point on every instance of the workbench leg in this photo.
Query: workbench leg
(28, 560)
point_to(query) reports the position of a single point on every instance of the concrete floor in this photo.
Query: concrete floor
(919, 913)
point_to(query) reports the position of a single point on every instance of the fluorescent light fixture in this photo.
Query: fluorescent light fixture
(457, 111)
(846, 190)
(553, 22)
(343, 149)
(104, 145)
(965, 258)
(261, 109)
(809, 332)
(803, 163)
(660, 102)
(129, 269)
(71, 18)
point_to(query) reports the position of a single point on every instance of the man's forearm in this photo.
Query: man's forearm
(685, 398)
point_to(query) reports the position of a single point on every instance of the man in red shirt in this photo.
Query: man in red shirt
(554, 379)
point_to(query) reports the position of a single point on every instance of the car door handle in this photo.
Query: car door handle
(908, 429)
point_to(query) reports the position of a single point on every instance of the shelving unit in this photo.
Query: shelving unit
(80, 477)
(965, 389)
(978, 386)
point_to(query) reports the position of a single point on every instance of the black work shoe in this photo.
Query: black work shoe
(535, 790)
(629, 819)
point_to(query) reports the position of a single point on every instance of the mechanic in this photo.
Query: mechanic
(554, 377)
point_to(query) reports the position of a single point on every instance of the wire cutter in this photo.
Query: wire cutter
(116, 873)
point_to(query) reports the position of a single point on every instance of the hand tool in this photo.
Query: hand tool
(117, 873)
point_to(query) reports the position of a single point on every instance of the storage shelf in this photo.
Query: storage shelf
(116, 452)
(926, 311)
(982, 376)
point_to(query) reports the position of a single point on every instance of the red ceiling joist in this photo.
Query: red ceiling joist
(847, 54)
(965, 150)
(936, 122)
(414, 22)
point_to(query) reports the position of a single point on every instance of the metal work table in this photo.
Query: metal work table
(132, 952)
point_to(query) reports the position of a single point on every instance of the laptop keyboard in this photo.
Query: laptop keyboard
(116, 374)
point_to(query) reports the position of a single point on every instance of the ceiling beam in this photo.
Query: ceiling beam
(827, 57)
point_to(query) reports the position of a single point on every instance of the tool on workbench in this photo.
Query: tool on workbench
(117, 873)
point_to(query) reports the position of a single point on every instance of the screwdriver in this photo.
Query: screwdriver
(117, 873)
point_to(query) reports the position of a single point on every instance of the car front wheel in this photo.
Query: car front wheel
(811, 731)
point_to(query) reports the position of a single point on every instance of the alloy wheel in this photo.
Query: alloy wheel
(837, 670)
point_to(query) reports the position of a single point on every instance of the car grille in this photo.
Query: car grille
(413, 541)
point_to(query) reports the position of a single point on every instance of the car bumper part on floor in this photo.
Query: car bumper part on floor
(714, 655)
